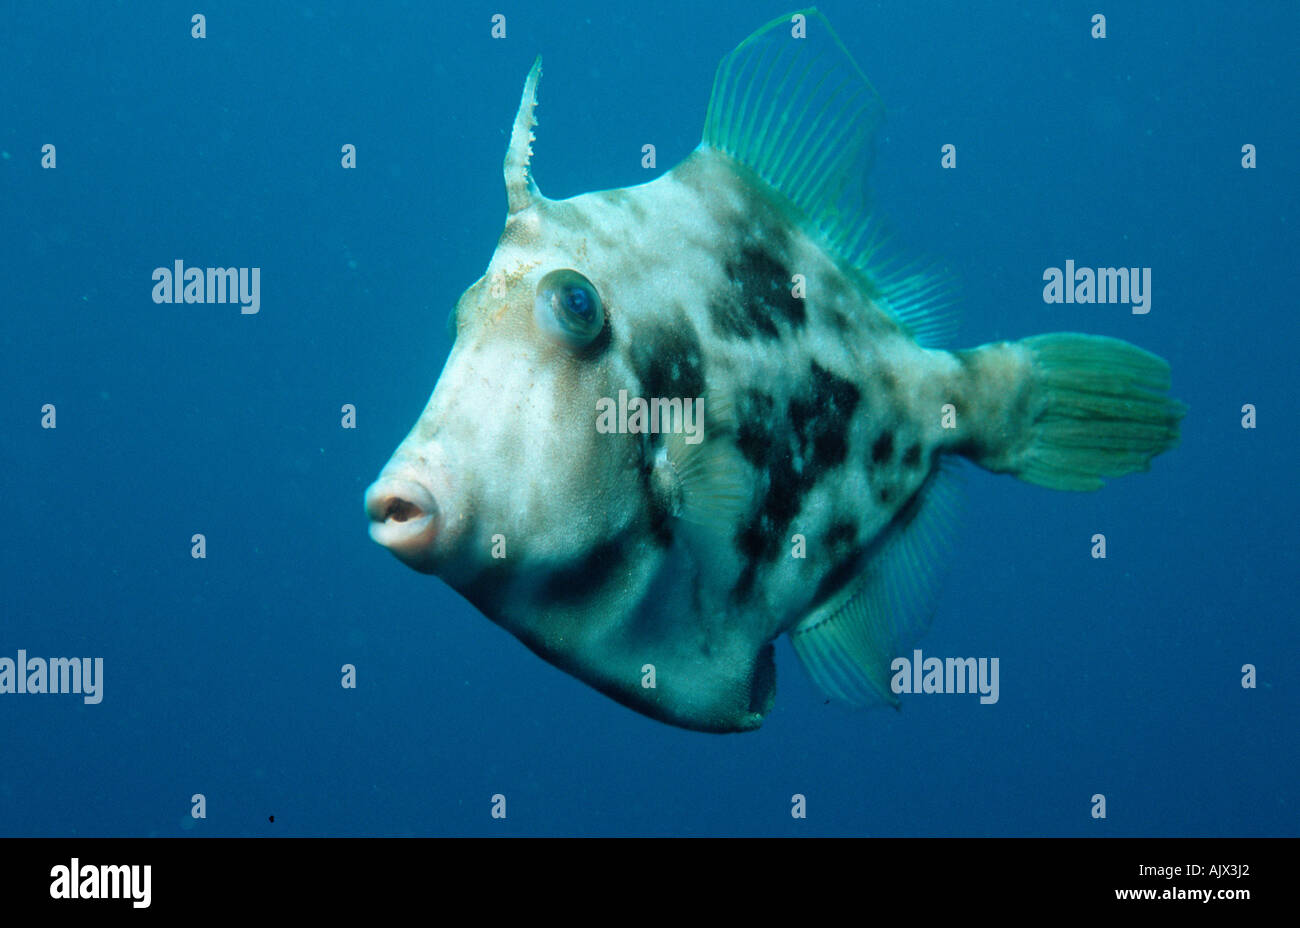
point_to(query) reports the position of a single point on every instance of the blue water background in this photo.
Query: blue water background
(1118, 676)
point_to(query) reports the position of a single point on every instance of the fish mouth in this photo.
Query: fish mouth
(403, 518)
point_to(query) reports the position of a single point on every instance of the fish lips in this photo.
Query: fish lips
(404, 518)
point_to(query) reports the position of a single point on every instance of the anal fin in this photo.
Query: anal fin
(847, 642)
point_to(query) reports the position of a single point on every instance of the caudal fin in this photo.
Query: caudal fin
(1064, 410)
(1098, 408)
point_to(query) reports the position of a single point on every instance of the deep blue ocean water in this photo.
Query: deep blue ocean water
(222, 676)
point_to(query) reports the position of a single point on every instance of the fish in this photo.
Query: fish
(551, 479)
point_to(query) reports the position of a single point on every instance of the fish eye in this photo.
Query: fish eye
(569, 308)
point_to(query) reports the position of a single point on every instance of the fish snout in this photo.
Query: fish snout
(404, 518)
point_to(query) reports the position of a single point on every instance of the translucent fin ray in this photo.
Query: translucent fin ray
(801, 115)
(1103, 411)
(712, 474)
(848, 642)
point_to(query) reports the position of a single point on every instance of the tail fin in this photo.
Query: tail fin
(1091, 407)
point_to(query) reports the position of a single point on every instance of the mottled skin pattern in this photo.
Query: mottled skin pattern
(833, 409)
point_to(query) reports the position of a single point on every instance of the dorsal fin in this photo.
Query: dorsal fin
(799, 113)
(791, 104)
(521, 189)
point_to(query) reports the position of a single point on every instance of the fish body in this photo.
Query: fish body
(660, 564)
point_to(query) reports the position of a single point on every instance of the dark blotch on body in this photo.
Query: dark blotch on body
(758, 298)
(754, 432)
(588, 576)
(882, 450)
(820, 421)
(815, 432)
(668, 361)
(840, 538)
